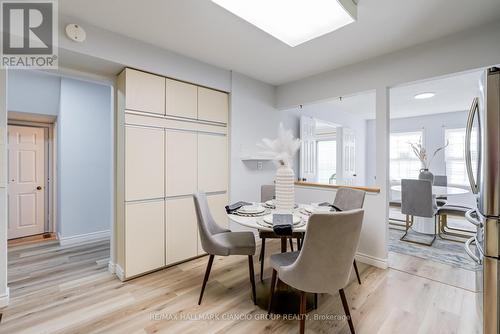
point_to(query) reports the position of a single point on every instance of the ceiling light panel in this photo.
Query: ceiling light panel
(423, 96)
(294, 21)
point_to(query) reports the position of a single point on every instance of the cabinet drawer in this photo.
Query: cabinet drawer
(212, 105)
(144, 163)
(181, 229)
(144, 237)
(181, 99)
(212, 163)
(144, 92)
(181, 163)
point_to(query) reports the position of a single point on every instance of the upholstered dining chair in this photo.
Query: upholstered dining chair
(314, 269)
(441, 181)
(216, 240)
(417, 200)
(350, 199)
(267, 192)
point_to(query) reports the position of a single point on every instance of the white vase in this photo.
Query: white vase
(285, 195)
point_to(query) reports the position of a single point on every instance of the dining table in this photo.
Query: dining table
(287, 299)
(426, 225)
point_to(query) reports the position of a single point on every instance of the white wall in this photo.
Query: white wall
(84, 158)
(33, 92)
(253, 117)
(372, 243)
(433, 127)
(467, 50)
(327, 112)
(130, 52)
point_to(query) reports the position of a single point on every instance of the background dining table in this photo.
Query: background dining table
(426, 225)
(287, 298)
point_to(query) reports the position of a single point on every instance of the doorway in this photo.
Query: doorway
(28, 179)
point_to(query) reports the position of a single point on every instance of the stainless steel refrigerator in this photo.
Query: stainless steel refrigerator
(483, 169)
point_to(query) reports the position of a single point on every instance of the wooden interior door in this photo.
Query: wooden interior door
(26, 187)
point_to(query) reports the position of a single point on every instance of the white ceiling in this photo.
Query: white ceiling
(200, 29)
(453, 93)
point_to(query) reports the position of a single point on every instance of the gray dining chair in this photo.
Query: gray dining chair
(417, 200)
(350, 199)
(216, 240)
(441, 181)
(314, 269)
(267, 192)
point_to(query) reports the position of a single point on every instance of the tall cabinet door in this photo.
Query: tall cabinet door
(181, 229)
(144, 163)
(144, 237)
(212, 105)
(181, 99)
(144, 92)
(212, 162)
(181, 163)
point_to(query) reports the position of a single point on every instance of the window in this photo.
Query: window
(455, 155)
(327, 161)
(404, 163)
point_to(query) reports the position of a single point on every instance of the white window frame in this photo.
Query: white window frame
(447, 160)
(421, 132)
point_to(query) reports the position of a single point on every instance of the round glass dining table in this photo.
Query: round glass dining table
(287, 299)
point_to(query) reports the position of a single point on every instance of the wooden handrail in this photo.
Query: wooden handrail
(334, 186)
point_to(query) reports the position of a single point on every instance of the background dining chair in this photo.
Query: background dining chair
(314, 269)
(417, 200)
(449, 209)
(350, 199)
(267, 193)
(441, 181)
(216, 240)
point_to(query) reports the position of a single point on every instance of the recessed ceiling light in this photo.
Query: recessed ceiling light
(294, 21)
(423, 96)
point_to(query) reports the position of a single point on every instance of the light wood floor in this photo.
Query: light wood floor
(68, 290)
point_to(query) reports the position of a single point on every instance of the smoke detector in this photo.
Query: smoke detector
(75, 32)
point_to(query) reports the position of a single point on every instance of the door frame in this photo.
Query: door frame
(50, 196)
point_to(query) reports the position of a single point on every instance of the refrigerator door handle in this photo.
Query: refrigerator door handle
(470, 252)
(471, 217)
(468, 133)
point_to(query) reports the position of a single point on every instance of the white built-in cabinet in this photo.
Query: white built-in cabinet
(212, 105)
(144, 237)
(144, 168)
(182, 162)
(212, 162)
(172, 142)
(144, 92)
(182, 231)
(181, 99)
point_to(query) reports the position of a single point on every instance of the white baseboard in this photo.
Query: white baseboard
(111, 267)
(372, 261)
(4, 300)
(119, 272)
(76, 239)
